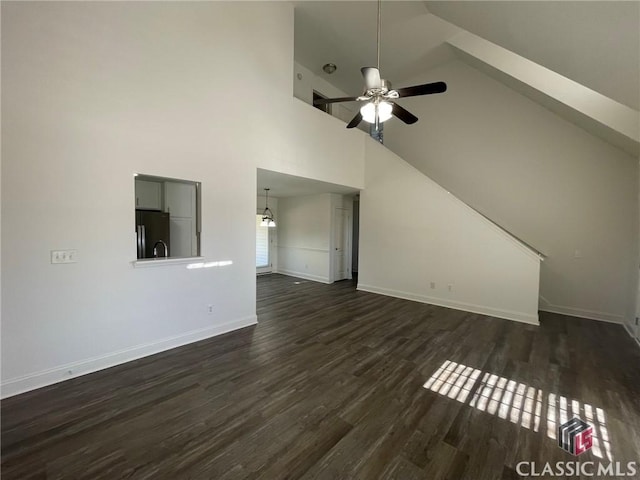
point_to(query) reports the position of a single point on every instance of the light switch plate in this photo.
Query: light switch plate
(63, 256)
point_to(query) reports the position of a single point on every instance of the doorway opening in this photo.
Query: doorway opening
(263, 246)
(312, 239)
(325, 107)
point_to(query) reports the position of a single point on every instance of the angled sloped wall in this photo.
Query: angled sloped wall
(566, 192)
(413, 233)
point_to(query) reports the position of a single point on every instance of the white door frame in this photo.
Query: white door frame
(347, 242)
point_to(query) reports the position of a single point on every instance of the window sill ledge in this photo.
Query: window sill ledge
(164, 262)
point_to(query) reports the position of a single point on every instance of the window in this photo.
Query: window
(167, 212)
(262, 244)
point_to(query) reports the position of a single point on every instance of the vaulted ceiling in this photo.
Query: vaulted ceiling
(344, 33)
(588, 49)
(596, 44)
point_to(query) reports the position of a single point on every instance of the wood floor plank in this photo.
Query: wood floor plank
(446, 462)
(402, 469)
(338, 384)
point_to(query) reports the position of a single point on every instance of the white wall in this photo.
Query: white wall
(93, 92)
(412, 233)
(304, 236)
(549, 182)
(302, 149)
(596, 113)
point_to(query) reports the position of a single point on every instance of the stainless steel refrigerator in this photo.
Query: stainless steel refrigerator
(152, 232)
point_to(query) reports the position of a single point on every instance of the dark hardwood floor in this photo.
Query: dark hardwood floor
(335, 384)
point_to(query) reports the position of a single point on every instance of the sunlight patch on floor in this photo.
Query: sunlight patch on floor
(517, 402)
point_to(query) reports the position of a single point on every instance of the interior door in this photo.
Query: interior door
(340, 221)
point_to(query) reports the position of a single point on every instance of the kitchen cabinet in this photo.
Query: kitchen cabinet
(180, 203)
(180, 199)
(148, 195)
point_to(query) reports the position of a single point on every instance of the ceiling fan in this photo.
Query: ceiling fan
(379, 96)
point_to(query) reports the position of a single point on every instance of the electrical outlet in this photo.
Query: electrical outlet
(433, 285)
(63, 256)
(210, 309)
(450, 287)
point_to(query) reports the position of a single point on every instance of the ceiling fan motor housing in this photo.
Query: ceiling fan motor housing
(385, 86)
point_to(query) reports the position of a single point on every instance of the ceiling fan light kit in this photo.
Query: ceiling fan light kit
(382, 110)
(379, 96)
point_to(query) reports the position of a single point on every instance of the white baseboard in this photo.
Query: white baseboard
(61, 373)
(546, 306)
(531, 319)
(306, 276)
(627, 327)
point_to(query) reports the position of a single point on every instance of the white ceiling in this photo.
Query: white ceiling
(593, 43)
(282, 185)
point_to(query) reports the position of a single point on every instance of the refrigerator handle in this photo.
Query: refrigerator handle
(144, 240)
(139, 240)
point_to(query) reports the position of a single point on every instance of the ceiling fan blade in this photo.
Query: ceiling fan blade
(371, 77)
(324, 101)
(403, 114)
(426, 89)
(356, 121)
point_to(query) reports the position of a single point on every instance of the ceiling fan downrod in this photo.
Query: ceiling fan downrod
(378, 38)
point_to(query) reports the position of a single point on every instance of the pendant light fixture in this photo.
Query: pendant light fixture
(267, 215)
